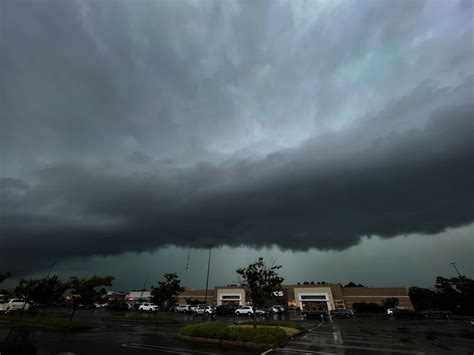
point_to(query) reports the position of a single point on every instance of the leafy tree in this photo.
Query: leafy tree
(364, 307)
(167, 291)
(352, 284)
(454, 294)
(85, 291)
(192, 302)
(27, 290)
(390, 302)
(4, 276)
(259, 281)
(422, 298)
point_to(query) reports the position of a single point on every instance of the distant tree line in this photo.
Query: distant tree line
(370, 307)
(455, 294)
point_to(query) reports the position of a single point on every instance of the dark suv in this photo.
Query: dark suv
(226, 310)
(341, 313)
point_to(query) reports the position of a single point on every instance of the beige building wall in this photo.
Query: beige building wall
(376, 295)
(316, 291)
(221, 294)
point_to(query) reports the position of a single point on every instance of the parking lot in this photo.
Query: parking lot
(379, 335)
(360, 335)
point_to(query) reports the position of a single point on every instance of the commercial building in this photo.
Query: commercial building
(193, 295)
(319, 296)
(138, 296)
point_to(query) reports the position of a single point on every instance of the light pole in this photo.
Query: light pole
(454, 264)
(208, 268)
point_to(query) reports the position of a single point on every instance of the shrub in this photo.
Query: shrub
(363, 307)
(276, 324)
(262, 335)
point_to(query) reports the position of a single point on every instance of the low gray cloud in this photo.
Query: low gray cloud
(128, 126)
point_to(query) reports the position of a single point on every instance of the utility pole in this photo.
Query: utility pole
(454, 264)
(144, 285)
(51, 268)
(208, 268)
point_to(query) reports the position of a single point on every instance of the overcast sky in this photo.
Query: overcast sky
(334, 137)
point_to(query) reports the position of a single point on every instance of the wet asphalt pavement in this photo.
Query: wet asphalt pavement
(361, 335)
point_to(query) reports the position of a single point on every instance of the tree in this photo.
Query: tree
(167, 291)
(4, 276)
(27, 290)
(192, 302)
(422, 298)
(85, 291)
(364, 307)
(352, 284)
(454, 294)
(259, 281)
(49, 289)
(390, 302)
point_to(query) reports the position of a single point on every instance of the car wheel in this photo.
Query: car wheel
(237, 313)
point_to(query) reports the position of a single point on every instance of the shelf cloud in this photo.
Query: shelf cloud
(133, 126)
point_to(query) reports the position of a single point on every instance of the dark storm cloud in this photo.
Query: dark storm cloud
(416, 182)
(128, 126)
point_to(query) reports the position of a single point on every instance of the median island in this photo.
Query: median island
(239, 335)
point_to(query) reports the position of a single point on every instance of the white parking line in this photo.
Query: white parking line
(285, 350)
(318, 326)
(162, 349)
(356, 347)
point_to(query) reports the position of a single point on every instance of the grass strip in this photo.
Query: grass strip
(260, 335)
(147, 320)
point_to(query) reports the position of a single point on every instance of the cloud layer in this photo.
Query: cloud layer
(130, 126)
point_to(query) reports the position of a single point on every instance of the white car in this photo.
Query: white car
(204, 310)
(390, 311)
(148, 307)
(182, 309)
(247, 310)
(14, 304)
(193, 308)
(279, 308)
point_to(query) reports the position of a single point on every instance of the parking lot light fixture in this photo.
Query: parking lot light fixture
(208, 268)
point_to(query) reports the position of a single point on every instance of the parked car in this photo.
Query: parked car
(406, 314)
(195, 307)
(341, 313)
(436, 313)
(118, 306)
(14, 304)
(272, 310)
(279, 308)
(148, 307)
(182, 309)
(226, 310)
(315, 314)
(204, 310)
(247, 310)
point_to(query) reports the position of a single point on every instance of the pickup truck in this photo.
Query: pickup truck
(436, 313)
(14, 304)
